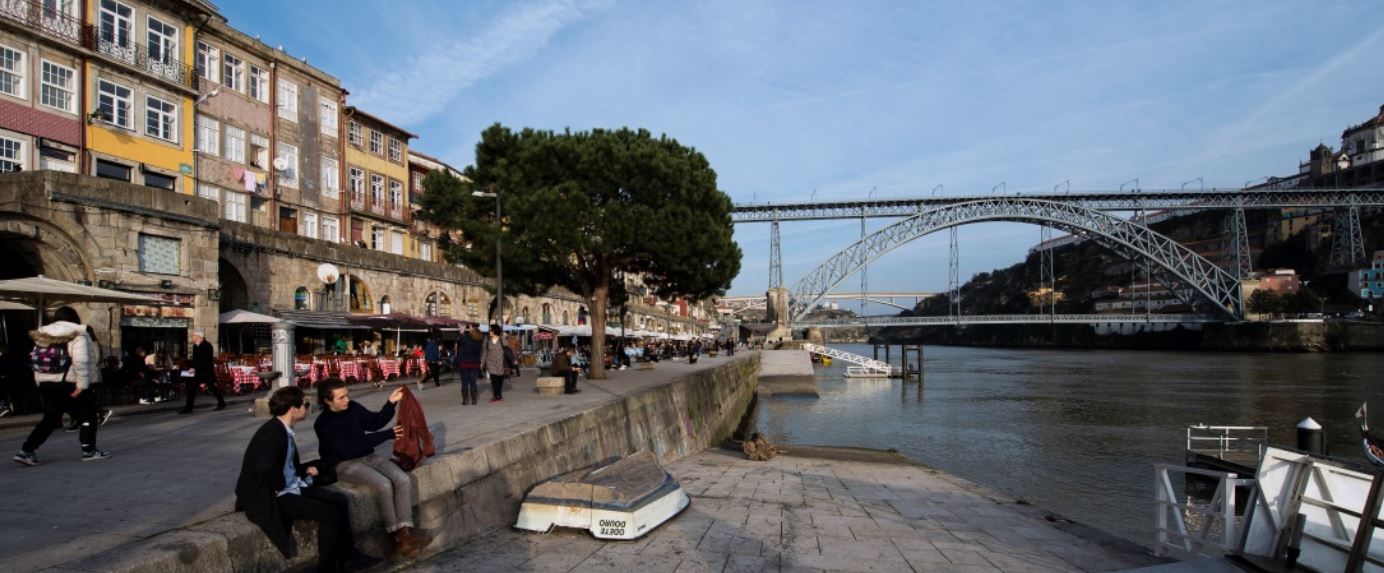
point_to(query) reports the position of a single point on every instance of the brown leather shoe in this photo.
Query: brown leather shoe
(418, 537)
(404, 546)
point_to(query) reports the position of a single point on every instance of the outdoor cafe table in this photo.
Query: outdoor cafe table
(389, 367)
(354, 369)
(416, 366)
(243, 375)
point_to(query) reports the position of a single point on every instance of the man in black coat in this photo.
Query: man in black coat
(204, 372)
(275, 488)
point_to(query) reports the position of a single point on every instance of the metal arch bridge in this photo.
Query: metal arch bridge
(1097, 200)
(1183, 271)
(962, 320)
(886, 298)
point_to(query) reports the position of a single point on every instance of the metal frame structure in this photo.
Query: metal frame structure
(1235, 251)
(1347, 240)
(1010, 319)
(1183, 271)
(1097, 200)
(1046, 276)
(775, 257)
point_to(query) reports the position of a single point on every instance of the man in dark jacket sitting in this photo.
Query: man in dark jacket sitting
(276, 488)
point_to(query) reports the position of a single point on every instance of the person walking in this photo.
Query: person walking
(63, 370)
(495, 362)
(203, 372)
(432, 354)
(468, 359)
(275, 488)
(347, 434)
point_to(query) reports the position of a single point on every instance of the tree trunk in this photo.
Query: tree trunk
(597, 303)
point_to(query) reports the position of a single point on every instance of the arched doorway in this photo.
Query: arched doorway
(235, 293)
(437, 304)
(360, 299)
(547, 314)
(385, 306)
(302, 298)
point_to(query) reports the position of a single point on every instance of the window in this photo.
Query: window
(331, 228)
(310, 225)
(396, 194)
(331, 177)
(395, 150)
(114, 30)
(51, 158)
(112, 170)
(209, 192)
(288, 100)
(377, 237)
(11, 155)
(163, 44)
(376, 189)
(11, 72)
(396, 242)
(302, 299)
(357, 182)
(353, 133)
(159, 255)
(208, 135)
(259, 151)
(425, 251)
(160, 119)
(57, 87)
(259, 84)
(233, 72)
(207, 61)
(328, 117)
(160, 181)
(288, 176)
(113, 102)
(235, 144)
(235, 207)
(376, 143)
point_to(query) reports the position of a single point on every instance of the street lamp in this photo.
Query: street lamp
(499, 271)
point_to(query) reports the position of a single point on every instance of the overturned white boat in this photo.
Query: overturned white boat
(621, 500)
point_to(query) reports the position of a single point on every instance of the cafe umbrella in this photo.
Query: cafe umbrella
(42, 293)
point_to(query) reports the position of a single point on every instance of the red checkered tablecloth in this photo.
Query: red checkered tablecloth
(245, 375)
(354, 369)
(389, 367)
(416, 367)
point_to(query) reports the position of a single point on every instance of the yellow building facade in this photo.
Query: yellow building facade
(377, 178)
(141, 91)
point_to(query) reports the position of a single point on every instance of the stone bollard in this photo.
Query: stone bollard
(1310, 437)
(282, 336)
(549, 385)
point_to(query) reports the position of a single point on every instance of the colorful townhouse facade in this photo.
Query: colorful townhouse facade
(376, 172)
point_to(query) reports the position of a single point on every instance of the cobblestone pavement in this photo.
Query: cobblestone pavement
(809, 514)
(170, 471)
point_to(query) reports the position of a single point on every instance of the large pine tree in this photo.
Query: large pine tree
(582, 209)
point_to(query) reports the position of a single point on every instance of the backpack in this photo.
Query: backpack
(52, 359)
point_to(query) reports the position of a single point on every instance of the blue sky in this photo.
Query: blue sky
(798, 100)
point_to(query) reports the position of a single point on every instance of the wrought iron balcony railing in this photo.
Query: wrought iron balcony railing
(52, 23)
(159, 65)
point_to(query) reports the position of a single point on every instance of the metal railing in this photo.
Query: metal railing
(33, 15)
(1220, 440)
(1186, 528)
(878, 366)
(137, 55)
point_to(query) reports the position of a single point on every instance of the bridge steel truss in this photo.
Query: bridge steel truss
(1011, 319)
(1101, 201)
(1184, 272)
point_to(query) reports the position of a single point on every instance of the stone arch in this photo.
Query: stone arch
(235, 292)
(46, 248)
(547, 313)
(524, 314)
(386, 305)
(566, 319)
(359, 296)
(302, 298)
(437, 304)
(1183, 271)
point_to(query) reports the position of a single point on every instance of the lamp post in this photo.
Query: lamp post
(499, 271)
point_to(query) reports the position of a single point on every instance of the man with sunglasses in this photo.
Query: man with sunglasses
(275, 488)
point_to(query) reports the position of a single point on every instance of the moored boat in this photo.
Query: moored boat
(624, 499)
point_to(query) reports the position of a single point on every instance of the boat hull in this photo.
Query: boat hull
(622, 501)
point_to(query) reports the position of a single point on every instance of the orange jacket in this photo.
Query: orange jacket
(417, 442)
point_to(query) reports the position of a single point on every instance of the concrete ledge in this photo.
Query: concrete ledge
(465, 493)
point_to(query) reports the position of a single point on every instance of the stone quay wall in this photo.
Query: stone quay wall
(89, 229)
(464, 494)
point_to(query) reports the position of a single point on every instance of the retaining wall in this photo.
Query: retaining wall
(467, 493)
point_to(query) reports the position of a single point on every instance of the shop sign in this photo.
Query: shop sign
(153, 322)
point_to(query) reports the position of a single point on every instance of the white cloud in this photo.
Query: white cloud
(439, 70)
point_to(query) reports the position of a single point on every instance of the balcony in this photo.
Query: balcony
(32, 15)
(358, 201)
(137, 55)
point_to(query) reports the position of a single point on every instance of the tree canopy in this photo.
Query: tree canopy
(582, 210)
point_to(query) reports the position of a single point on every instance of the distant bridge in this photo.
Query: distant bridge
(1008, 319)
(909, 299)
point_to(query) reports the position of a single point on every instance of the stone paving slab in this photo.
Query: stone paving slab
(171, 472)
(797, 513)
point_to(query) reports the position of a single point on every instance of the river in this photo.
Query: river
(1077, 432)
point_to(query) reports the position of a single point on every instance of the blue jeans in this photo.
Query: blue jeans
(468, 380)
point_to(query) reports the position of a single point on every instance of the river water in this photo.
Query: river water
(1077, 432)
